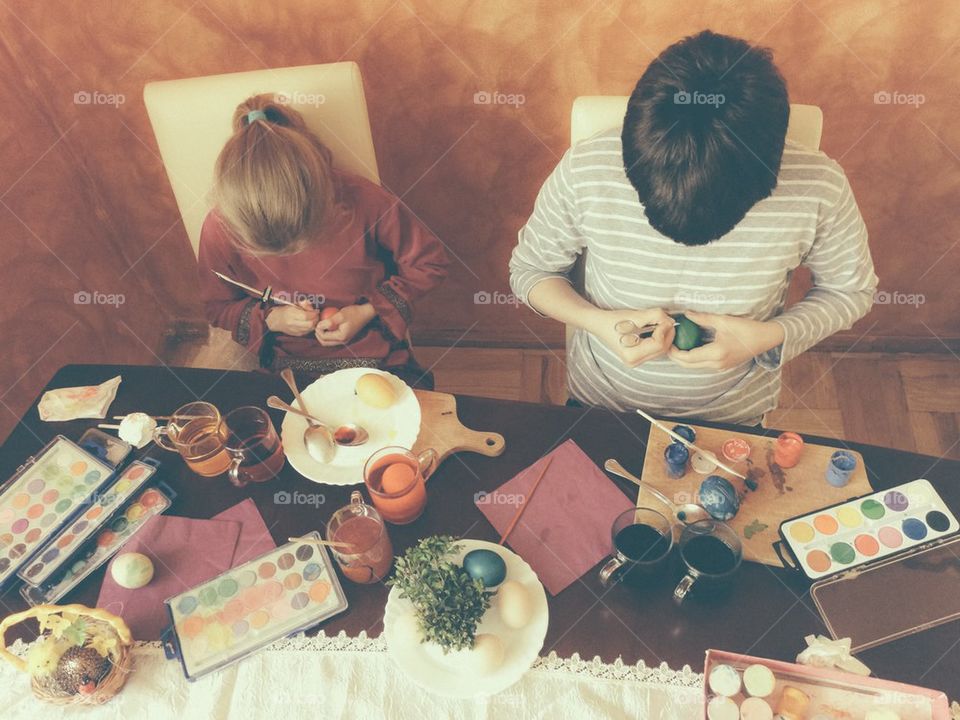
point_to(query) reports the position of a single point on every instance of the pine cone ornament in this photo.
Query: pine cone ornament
(80, 669)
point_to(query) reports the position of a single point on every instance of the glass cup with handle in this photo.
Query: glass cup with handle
(256, 453)
(196, 432)
(396, 480)
(711, 553)
(642, 539)
(360, 541)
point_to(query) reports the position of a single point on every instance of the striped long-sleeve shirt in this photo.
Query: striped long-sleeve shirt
(588, 206)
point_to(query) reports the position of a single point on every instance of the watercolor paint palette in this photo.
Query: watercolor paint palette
(99, 549)
(44, 495)
(102, 508)
(103, 446)
(867, 529)
(284, 591)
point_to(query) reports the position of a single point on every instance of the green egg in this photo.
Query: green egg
(687, 335)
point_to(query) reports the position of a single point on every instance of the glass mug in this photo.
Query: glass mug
(711, 554)
(256, 454)
(396, 480)
(361, 544)
(196, 432)
(642, 540)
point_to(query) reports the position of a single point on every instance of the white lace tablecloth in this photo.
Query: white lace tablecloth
(341, 677)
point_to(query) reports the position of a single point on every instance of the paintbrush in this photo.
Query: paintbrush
(526, 501)
(315, 541)
(679, 438)
(265, 295)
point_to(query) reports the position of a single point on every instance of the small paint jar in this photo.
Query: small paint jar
(686, 432)
(735, 449)
(840, 468)
(676, 455)
(788, 448)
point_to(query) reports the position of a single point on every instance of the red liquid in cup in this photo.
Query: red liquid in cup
(263, 456)
(402, 505)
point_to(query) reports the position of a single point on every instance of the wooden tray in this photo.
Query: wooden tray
(441, 429)
(781, 494)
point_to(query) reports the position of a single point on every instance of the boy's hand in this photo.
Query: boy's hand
(657, 345)
(297, 321)
(736, 340)
(342, 327)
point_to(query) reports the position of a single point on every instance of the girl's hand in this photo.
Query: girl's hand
(297, 321)
(342, 327)
(736, 341)
(657, 345)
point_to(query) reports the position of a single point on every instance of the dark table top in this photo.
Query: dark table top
(768, 612)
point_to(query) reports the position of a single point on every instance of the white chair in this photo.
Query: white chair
(191, 119)
(592, 114)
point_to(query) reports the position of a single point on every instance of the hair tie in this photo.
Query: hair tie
(255, 115)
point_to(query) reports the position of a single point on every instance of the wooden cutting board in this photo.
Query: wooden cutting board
(782, 493)
(441, 429)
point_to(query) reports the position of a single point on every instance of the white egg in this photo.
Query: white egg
(514, 604)
(132, 570)
(487, 654)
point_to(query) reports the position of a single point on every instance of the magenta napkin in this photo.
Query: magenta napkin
(185, 553)
(565, 529)
(255, 539)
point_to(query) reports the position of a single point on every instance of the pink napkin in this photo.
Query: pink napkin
(254, 538)
(565, 528)
(185, 553)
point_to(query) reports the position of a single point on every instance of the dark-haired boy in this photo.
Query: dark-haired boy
(698, 206)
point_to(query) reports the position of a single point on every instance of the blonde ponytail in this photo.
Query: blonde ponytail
(274, 184)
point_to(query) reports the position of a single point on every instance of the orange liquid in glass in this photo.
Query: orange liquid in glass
(402, 507)
(371, 555)
(201, 443)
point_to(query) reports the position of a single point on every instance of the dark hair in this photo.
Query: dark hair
(703, 135)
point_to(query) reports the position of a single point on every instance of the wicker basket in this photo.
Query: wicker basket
(121, 658)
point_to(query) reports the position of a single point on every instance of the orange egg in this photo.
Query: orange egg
(397, 477)
(327, 313)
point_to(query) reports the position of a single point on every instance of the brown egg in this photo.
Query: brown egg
(376, 391)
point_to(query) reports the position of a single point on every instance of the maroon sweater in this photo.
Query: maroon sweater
(379, 253)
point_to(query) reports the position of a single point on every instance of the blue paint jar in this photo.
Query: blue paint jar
(676, 456)
(686, 432)
(840, 468)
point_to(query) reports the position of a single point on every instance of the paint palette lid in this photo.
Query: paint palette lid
(866, 530)
(860, 606)
(241, 611)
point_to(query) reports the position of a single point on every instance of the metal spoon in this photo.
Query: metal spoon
(345, 435)
(686, 513)
(317, 438)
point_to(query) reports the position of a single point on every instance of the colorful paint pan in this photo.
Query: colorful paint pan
(284, 591)
(98, 549)
(868, 528)
(51, 557)
(45, 494)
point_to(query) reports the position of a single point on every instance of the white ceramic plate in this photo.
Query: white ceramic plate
(426, 664)
(332, 399)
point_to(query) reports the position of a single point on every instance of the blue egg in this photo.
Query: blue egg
(486, 566)
(719, 498)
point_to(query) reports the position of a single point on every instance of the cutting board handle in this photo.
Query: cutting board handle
(490, 444)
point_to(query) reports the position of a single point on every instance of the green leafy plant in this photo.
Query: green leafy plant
(448, 602)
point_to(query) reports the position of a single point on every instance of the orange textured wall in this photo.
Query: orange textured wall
(86, 204)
